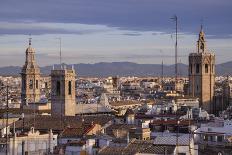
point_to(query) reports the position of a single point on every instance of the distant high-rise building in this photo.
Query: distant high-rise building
(63, 98)
(202, 74)
(30, 78)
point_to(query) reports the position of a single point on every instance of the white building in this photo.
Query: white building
(218, 133)
(31, 143)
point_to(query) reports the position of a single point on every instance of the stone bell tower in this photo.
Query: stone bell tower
(30, 89)
(63, 97)
(202, 74)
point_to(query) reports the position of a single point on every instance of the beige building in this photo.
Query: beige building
(32, 142)
(202, 74)
(30, 78)
(63, 95)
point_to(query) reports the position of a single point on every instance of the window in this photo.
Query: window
(205, 138)
(31, 84)
(37, 84)
(69, 87)
(197, 68)
(212, 68)
(219, 138)
(191, 69)
(58, 88)
(206, 68)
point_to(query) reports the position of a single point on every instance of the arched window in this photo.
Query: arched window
(69, 87)
(37, 84)
(58, 88)
(197, 68)
(206, 68)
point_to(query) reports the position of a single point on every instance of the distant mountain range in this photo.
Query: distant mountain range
(104, 69)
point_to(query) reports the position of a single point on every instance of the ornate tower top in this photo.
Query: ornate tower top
(201, 43)
(30, 57)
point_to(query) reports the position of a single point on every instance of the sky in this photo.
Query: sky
(94, 31)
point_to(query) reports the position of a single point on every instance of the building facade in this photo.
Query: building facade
(30, 89)
(202, 74)
(63, 93)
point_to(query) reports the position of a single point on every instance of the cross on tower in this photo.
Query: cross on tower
(30, 40)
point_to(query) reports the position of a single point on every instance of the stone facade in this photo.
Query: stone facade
(202, 74)
(30, 78)
(63, 98)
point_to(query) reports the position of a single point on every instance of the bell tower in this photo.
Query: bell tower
(202, 74)
(63, 97)
(30, 88)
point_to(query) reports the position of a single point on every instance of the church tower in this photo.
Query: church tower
(30, 89)
(202, 74)
(63, 97)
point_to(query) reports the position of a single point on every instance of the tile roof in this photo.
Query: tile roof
(77, 131)
(137, 146)
(49, 122)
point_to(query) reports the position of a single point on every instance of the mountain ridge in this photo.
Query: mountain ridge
(104, 69)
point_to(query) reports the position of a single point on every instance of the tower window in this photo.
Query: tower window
(37, 84)
(197, 68)
(212, 68)
(58, 88)
(69, 87)
(31, 84)
(191, 69)
(206, 68)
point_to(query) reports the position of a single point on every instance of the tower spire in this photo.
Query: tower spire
(201, 43)
(30, 40)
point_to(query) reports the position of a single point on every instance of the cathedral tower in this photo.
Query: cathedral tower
(30, 89)
(63, 97)
(202, 74)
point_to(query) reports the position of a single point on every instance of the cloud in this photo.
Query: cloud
(132, 34)
(48, 28)
(133, 15)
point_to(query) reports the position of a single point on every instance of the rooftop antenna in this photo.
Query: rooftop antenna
(175, 19)
(60, 52)
(162, 70)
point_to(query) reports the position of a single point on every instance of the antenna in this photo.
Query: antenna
(162, 70)
(60, 52)
(175, 19)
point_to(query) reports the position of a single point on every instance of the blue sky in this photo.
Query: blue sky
(112, 30)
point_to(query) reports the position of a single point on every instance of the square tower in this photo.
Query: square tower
(63, 95)
(202, 74)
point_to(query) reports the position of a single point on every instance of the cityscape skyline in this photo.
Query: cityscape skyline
(140, 32)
